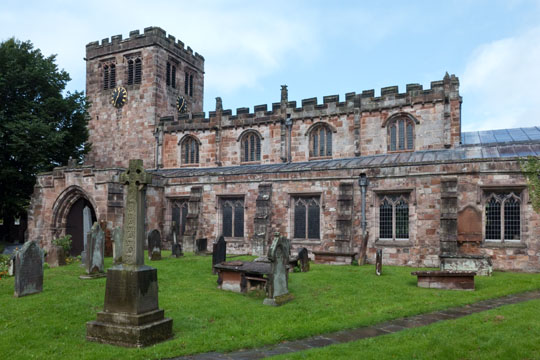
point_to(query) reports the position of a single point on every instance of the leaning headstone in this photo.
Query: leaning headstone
(56, 256)
(200, 246)
(176, 249)
(117, 245)
(87, 225)
(378, 262)
(94, 253)
(278, 280)
(28, 270)
(219, 252)
(303, 259)
(154, 245)
(131, 316)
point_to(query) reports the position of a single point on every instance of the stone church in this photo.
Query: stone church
(342, 177)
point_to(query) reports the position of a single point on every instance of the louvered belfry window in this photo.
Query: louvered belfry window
(307, 211)
(105, 77)
(170, 76)
(112, 80)
(134, 71)
(401, 134)
(232, 217)
(503, 216)
(138, 71)
(320, 141)
(186, 84)
(394, 217)
(251, 147)
(131, 70)
(109, 76)
(190, 151)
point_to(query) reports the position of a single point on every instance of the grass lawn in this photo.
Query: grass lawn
(328, 298)
(508, 332)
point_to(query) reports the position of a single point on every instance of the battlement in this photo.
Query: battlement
(439, 91)
(150, 36)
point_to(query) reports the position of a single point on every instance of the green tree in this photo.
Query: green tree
(40, 126)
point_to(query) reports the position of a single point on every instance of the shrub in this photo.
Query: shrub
(64, 242)
(4, 265)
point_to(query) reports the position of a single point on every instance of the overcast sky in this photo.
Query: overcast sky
(318, 48)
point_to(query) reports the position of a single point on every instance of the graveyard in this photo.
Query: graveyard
(51, 324)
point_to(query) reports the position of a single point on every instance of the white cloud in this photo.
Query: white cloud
(500, 83)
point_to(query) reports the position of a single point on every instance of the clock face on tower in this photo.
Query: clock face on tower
(181, 105)
(119, 97)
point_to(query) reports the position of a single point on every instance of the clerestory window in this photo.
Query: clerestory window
(189, 150)
(320, 141)
(400, 134)
(250, 147)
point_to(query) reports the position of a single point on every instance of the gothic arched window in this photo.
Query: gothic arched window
(189, 148)
(320, 141)
(250, 147)
(400, 134)
(503, 217)
(394, 218)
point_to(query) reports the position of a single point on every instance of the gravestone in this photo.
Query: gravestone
(28, 270)
(378, 262)
(154, 245)
(219, 252)
(303, 259)
(108, 248)
(277, 292)
(56, 256)
(94, 253)
(176, 249)
(200, 246)
(87, 225)
(117, 245)
(131, 316)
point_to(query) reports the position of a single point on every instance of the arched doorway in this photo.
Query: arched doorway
(75, 223)
(68, 216)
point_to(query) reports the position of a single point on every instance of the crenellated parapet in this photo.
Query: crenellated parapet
(136, 40)
(440, 91)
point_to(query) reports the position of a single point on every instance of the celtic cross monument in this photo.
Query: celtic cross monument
(131, 316)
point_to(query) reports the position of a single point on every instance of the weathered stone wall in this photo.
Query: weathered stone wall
(56, 192)
(358, 125)
(421, 184)
(129, 132)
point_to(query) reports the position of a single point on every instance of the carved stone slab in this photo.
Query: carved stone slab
(28, 270)
(117, 245)
(135, 178)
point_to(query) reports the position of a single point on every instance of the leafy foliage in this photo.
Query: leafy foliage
(531, 170)
(64, 242)
(39, 126)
